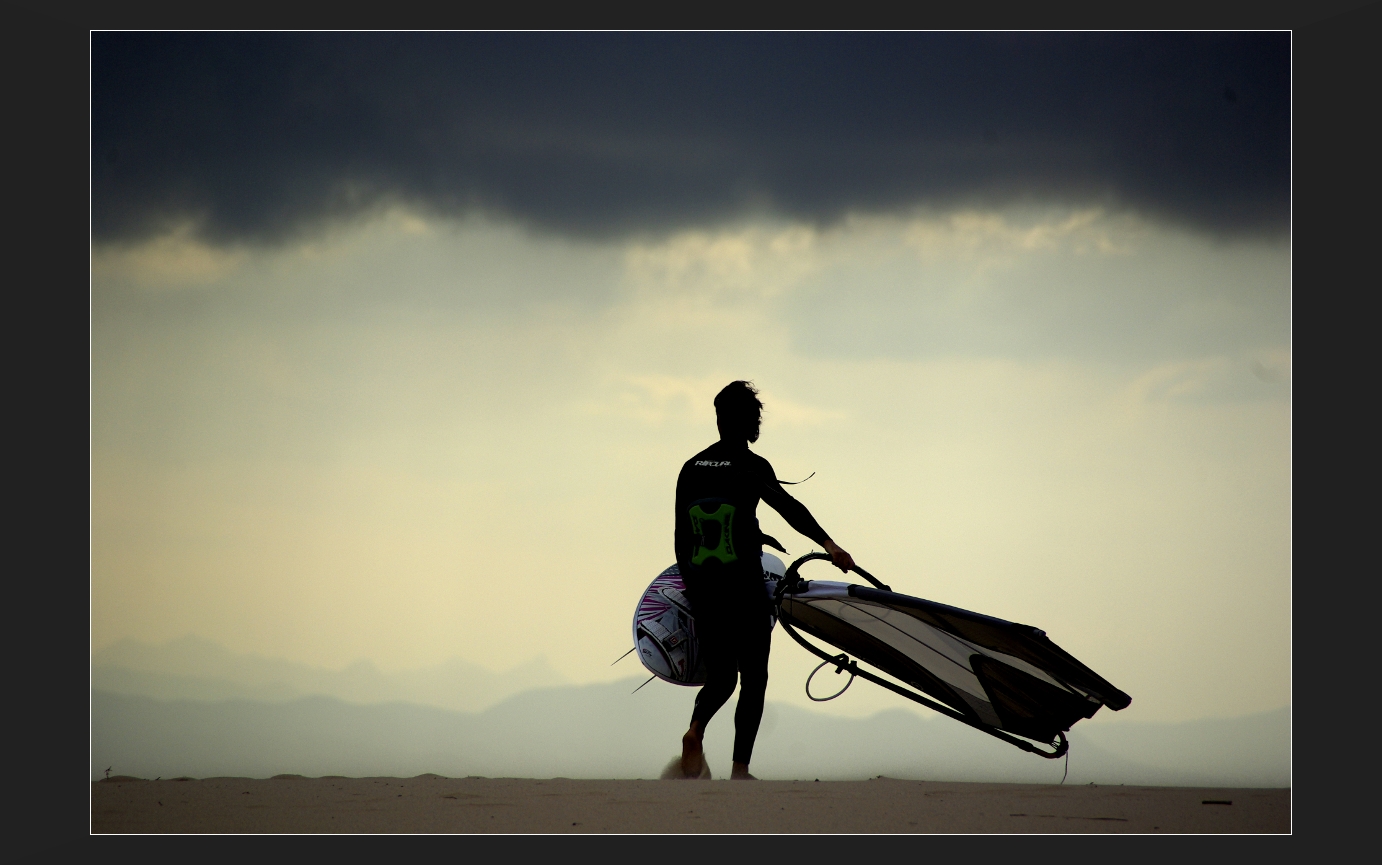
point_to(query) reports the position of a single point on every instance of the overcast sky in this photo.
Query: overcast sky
(399, 341)
(263, 136)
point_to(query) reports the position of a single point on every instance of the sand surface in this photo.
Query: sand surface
(430, 803)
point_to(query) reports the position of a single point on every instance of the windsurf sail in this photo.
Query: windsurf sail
(1004, 678)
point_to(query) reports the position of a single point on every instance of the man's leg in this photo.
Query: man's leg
(717, 647)
(718, 687)
(693, 750)
(754, 642)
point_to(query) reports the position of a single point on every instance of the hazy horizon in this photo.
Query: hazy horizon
(244, 715)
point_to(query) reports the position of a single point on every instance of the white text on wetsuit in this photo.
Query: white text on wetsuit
(712, 463)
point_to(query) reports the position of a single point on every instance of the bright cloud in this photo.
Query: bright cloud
(414, 439)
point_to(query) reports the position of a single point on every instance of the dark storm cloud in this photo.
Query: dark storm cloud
(260, 136)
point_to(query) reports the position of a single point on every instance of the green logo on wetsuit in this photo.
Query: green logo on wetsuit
(716, 539)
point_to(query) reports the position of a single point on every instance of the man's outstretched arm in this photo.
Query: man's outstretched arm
(799, 518)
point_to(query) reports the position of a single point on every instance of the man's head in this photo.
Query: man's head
(738, 411)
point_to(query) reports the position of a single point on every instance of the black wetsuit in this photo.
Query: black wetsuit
(719, 548)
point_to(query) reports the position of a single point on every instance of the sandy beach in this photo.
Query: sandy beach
(431, 803)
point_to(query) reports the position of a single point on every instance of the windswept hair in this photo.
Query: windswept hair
(738, 410)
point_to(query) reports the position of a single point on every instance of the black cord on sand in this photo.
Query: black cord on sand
(1067, 764)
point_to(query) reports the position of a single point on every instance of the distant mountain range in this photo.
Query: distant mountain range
(192, 707)
(604, 731)
(191, 668)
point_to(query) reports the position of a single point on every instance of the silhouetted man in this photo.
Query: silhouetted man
(719, 553)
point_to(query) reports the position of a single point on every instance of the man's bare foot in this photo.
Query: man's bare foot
(740, 772)
(692, 753)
